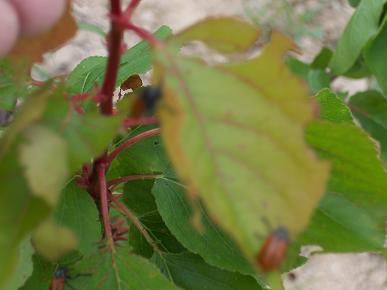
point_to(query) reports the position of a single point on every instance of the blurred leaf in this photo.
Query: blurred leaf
(92, 28)
(321, 61)
(332, 108)
(354, 3)
(119, 270)
(212, 244)
(24, 266)
(12, 83)
(53, 241)
(78, 211)
(370, 109)
(42, 152)
(224, 138)
(42, 275)
(376, 58)
(363, 25)
(190, 272)
(19, 213)
(91, 71)
(317, 79)
(215, 32)
(32, 49)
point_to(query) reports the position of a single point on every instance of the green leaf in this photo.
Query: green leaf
(357, 188)
(91, 71)
(24, 266)
(77, 211)
(212, 244)
(224, 137)
(332, 108)
(370, 109)
(354, 3)
(120, 270)
(321, 61)
(53, 241)
(190, 272)
(44, 151)
(361, 28)
(376, 58)
(13, 83)
(20, 212)
(42, 274)
(215, 32)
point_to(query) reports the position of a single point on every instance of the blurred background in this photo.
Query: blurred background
(312, 23)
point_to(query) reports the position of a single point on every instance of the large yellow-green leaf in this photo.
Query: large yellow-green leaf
(235, 133)
(44, 150)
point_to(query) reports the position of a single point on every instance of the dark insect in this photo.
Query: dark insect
(146, 102)
(59, 280)
(273, 250)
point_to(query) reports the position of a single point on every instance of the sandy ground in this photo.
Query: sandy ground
(322, 272)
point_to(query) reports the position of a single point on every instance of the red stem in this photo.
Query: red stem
(114, 50)
(114, 182)
(104, 203)
(144, 34)
(130, 142)
(129, 122)
(137, 223)
(131, 7)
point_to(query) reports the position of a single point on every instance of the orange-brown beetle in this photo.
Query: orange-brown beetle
(273, 250)
(59, 280)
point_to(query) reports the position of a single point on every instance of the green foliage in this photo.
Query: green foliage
(136, 60)
(370, 109)
(240, 155)
(362, 27)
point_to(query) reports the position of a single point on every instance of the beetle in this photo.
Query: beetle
(59, 280)
(273, 250)
(146, 101)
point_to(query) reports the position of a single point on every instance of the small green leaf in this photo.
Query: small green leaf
(190, 272)
(91, 71)
(370, 109)
(376, 58)
(361, 28)
(78, 211)
(321, 61)
(333, 108)
(119, 271)
(43, 152)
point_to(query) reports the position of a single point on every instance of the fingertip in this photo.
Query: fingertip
(37, 16)
(9, 25)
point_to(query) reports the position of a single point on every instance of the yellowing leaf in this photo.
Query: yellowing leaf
(215, 32)
(53, 241)
(33, 48)
(235, 133)
(44, 158)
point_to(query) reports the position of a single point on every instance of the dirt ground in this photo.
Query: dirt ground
(323, 271)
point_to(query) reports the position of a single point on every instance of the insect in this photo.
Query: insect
(273, 250)
(61, 277)
(59, 280)
(146, 101)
